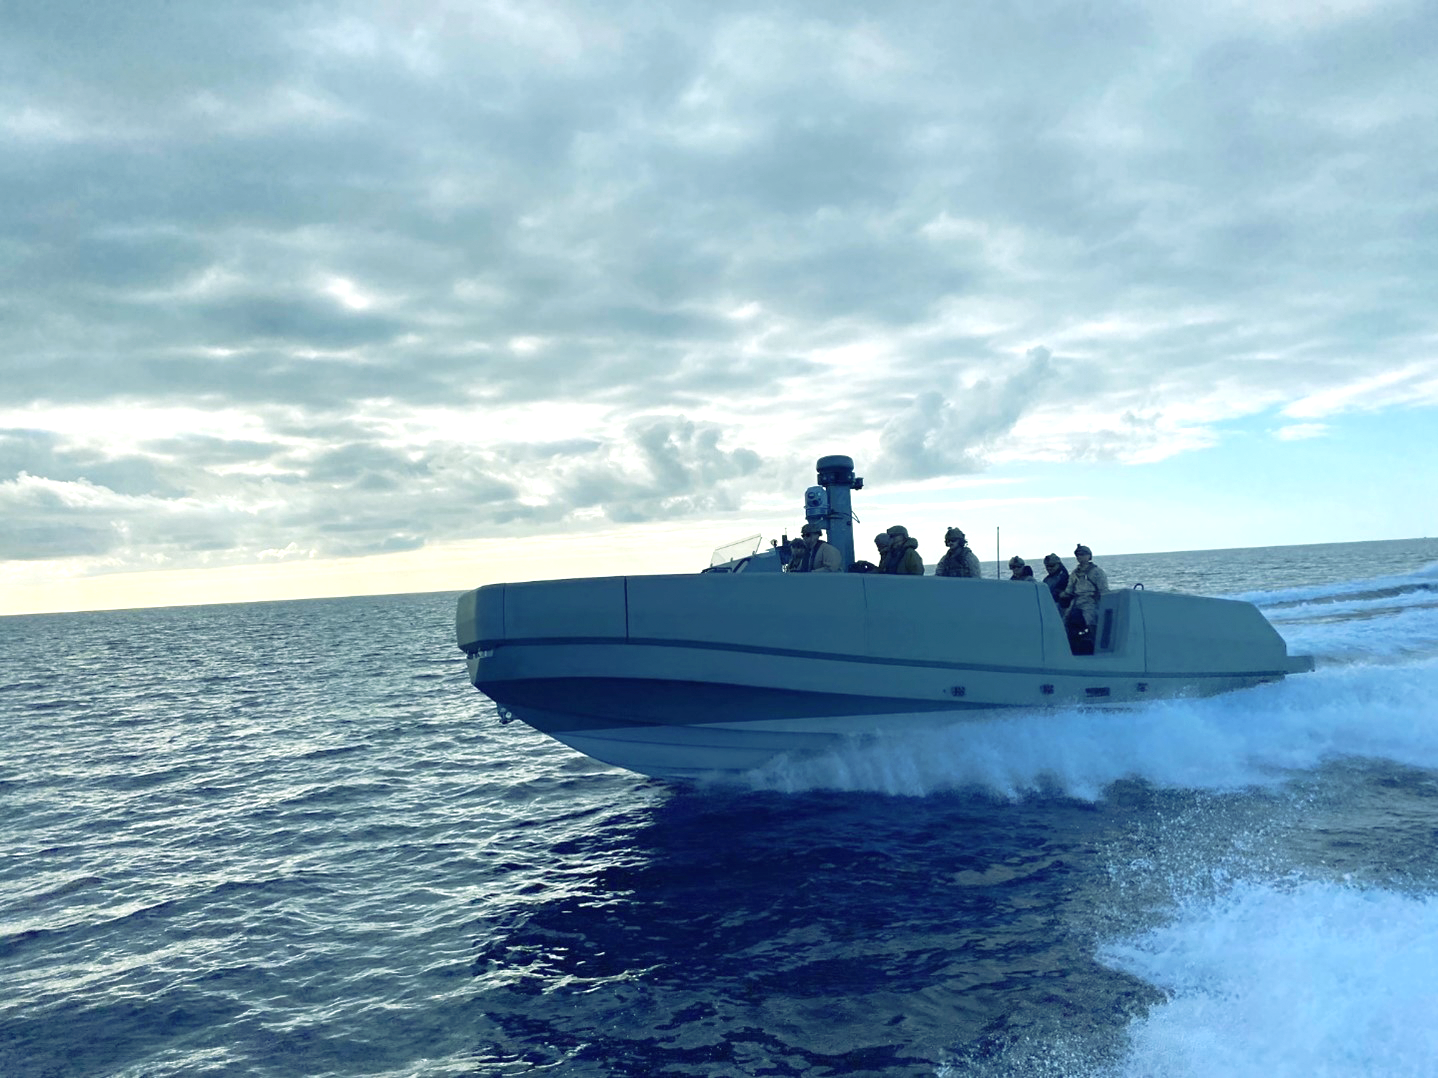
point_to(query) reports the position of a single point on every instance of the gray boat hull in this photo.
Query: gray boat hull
(683, 676)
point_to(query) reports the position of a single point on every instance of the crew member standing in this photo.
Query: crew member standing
(1087, 585)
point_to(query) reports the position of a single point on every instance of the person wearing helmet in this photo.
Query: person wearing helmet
(1020, 569)
(1087, 585)
(812, 555)
(959, 560)
(1057, 578)
(798, 561)
(903, 557)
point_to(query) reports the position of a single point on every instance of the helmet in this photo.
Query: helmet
(1016, 562)
(898, 531)
(954, 533)
(1081, 549)
(812, 529)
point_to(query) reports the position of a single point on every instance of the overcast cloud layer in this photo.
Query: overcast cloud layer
(290, 280)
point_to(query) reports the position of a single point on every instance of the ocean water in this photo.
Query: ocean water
(290, 839)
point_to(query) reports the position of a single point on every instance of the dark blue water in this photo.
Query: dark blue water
(289, 839)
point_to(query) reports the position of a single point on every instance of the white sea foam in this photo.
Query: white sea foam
(1272, 981)
(1371, 697)
(1365, 607)
(1329, 591)
(1257, 737)
(1384, 619)
(1393, 635)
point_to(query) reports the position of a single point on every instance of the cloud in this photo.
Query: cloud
(43, 454)
(938, 435)
(412, 274)
(38, 520)
(1300, 432)
(1415, 383)
(45, 519)
(228, 501)
(668, 467)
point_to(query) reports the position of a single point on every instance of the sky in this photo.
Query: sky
(333, 298)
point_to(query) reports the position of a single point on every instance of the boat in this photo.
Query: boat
(718, 672)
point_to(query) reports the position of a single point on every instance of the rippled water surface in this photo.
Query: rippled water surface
(289, 839)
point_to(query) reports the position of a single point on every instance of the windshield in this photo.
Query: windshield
(740, 548)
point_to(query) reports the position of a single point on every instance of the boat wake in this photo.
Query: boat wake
(1376, 644)
(1332, 980)
(1259, 737)
(1373, 590)
(1386, 619)
(1266, 980)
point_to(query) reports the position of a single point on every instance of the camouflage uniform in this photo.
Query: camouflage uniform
(822, 557)
(1087, 585)
(958, 561)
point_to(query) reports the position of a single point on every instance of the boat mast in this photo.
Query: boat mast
(836, 476)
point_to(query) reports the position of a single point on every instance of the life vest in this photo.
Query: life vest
(956, 563)
(804, 561)
(815, 556)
